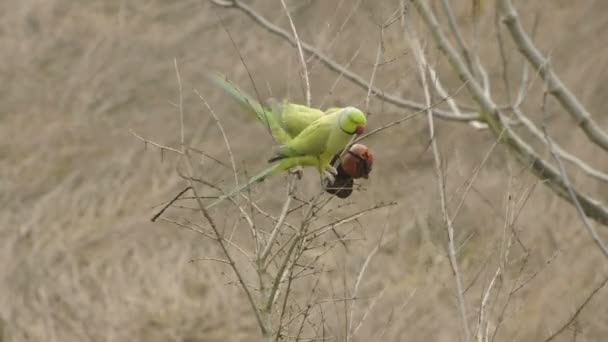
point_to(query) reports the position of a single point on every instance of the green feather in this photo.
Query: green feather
(277, 168)
(308, 136)
(250, 105)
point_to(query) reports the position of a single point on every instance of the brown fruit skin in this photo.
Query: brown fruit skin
(342, 187)
(357, 162)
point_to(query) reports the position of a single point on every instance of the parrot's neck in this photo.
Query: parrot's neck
(341, 124)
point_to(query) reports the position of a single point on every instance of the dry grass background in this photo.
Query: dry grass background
(81, 261)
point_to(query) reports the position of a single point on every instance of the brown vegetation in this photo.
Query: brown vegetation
(81, 260)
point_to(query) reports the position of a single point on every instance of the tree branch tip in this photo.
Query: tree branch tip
(224, 3)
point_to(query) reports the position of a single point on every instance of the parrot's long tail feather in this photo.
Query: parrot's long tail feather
(242, 98)
(274, 169)
(251, 105)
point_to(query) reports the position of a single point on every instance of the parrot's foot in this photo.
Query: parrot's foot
(329, 176)
(332, 170)
(298, 171)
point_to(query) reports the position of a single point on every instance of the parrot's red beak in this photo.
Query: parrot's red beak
(360, 129)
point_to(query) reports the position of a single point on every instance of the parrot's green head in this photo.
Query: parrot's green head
(352, 120)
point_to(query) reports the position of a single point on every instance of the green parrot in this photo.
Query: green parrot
(251, 105)
(284, 119)
(307, 136)
(294, 118)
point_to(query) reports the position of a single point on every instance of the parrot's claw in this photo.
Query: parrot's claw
(332, 170)
(298, 171)
(329, 176)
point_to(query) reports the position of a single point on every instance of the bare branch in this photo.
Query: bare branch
(421, 61)
(210, 259)
(220, 240)
(581, 213)
(571, 158)
(160, 212)
(279, 224)
(555, 86)
(379, 52)
(410, 116)
(454, 28)
(481, 332)
(492, 116)
(578, 311)
(161, 146)
(368, 259)
(180, 105)
(336, 67)
(300, 53)
(223, 132)
(333, 86)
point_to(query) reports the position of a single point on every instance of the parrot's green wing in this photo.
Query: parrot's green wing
(332, 110)
(293, 118)
(312, 140)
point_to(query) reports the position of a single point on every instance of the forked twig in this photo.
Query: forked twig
(579, 309)
(421, 61)
(492, 115)
(300, 53)
(336, 67)
(555, 86)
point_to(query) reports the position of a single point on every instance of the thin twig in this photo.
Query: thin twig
(410, 116)
(372, 77)
(578, 310)
(482, 309)
(300, 53)
(338, 78)
(205, 215)
(473, 177)
(279, 224)
(366, 263)
(336, 67)
(581, 213)
(563, 154)
(441, 188)
(555, 86)
(147, 141)
(223, 132)
(340, 29)
(492, 115)
(455, 29)
(160, 212)
(210, 259)
(180, 105)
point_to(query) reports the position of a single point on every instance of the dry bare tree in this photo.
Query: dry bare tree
(289, 245)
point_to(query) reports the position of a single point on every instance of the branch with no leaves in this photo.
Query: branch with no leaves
(555, 86)
(471, 58)
(561, 153)
(300, 53)
(578, 311)
(350, 331)
(336, 67)
(421, 61)
(581, 213)
(493, 116)
(229, 258)
(410, 116)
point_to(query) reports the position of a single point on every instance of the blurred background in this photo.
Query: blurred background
(81, 260)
